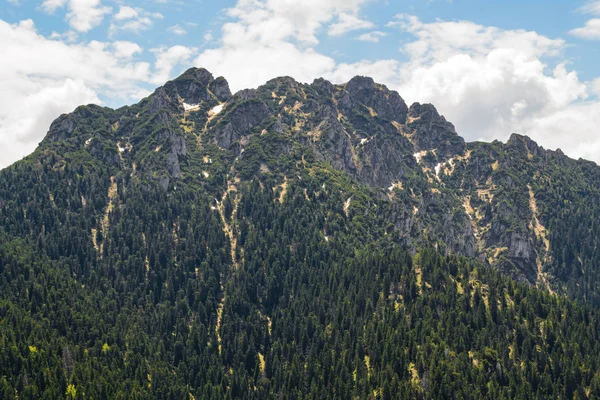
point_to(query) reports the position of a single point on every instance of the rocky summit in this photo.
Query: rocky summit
(492, 201)
(294, 240)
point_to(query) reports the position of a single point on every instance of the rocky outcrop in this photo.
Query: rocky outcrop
(245, 112)
(385, 103)
(430, 131)
(177, 146)
(61, 129)
(522, 143)
(220, 88)
(384, 160)
(197, 86)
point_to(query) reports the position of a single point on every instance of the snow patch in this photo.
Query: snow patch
(437, 170)
(87, 142)
(327, 238)
(363, 141)
(190, 107)
(417, 157)
(215, 110)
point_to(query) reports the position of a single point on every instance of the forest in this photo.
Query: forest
(142, 256)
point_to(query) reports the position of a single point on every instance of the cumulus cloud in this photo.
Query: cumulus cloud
(491, 82)
(82, 15)
(590, 31)
(372, 37)
(271, 38)
(50, 6)
(596, 86)
(177, 30)
(347, 23)
(126, 12)
(130, 19)
(34, 93)
(20, 127)
(592, 7)
(167, 59)
(124, 49)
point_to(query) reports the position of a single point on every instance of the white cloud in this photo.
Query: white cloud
(34, 93)
(592, 7)
(596, 86)
(82, 15)
(126, 12)
(439, 40)
(69, 36)
(124, 49)
(50, 6)
(491, 82)
(273, 20)
(167, 59)
(130, 19)
(383, 71)
(20, 127)
(271, 38)
(590, 31)
(372, 37)
(177, 30)
(347, 23)
(572, 129)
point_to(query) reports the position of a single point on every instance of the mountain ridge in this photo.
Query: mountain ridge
(294, 241)
(224, 94)
(361, 128)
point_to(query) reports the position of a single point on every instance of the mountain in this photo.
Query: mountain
(294, 241)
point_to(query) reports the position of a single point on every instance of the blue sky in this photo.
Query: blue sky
(492, 68)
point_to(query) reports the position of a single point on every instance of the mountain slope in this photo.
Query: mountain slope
(294, 239)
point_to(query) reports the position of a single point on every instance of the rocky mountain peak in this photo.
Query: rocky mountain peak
(384, 102)
(523, 142)
(323, 86)
(197, 85)
(431, 131)
(360, 83)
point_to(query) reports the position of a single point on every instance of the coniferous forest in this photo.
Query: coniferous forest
(294, 242)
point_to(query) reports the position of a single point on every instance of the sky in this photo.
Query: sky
(490, 67)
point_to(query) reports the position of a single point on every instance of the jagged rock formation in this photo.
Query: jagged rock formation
(466, 198)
